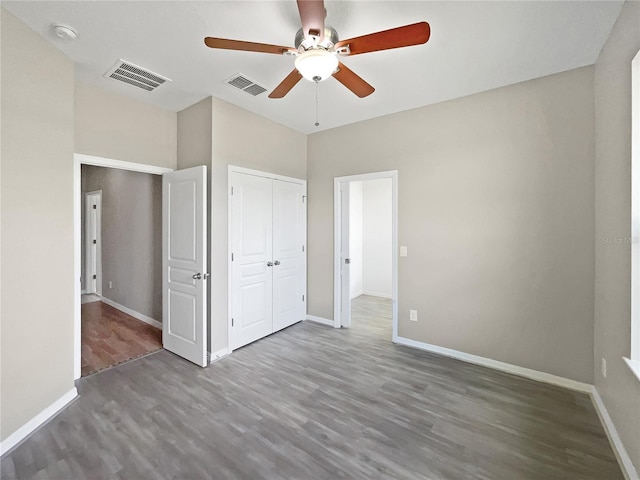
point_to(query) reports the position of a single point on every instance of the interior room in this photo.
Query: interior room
(509, 133)
(121, 266)
(370, 255)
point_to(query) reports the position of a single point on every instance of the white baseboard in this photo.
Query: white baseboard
(357, 294)
(377, 294)
(323, 321)
(133, 313)
(36, 422)
(215, 356)
(629, 471)
(497, 365)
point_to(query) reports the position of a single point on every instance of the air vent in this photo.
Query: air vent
(243, 83)
(135, 75)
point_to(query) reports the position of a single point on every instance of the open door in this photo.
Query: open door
(184, 260)
(345, 259)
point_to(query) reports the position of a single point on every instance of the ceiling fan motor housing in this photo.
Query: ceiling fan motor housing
(330, 39)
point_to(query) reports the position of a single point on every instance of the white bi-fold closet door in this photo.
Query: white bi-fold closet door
(267, 225)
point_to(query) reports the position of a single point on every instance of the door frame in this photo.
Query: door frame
(79, 160)
(337, 239)
(87, 248)
(259, 173)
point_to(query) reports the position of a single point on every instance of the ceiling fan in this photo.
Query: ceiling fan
(317, 48)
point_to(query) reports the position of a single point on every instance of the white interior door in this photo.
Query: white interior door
(93, 242)
(252, 261)
(288, 254)
(184, 277)
(345, 260)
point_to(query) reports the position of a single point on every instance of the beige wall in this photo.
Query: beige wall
(496, 209)
(243, 139)
(131, 236)
(620, 391)
(194, 135)
(37, 224)
(217, 134)
(114, 126)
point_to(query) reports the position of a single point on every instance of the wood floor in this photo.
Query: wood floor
(313, 402)
(110, 336)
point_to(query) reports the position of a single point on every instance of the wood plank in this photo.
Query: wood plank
(110, 337)
(316, 402)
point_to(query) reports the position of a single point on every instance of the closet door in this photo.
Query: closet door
(251, 223)
(288, 254)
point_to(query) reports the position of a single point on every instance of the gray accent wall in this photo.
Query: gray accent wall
(37, 277)
(131, 236)
(496, 209)
(620, 390)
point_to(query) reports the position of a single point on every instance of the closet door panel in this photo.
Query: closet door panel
(288, 255)
(252, 234)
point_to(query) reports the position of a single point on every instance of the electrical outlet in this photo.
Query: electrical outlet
(413, 315)
(604, 367)
(110, 284)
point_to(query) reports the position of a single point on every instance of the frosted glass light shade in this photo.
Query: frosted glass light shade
(316, 65)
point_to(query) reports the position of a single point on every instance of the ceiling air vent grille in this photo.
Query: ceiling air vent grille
(243, 83)
(135, 75)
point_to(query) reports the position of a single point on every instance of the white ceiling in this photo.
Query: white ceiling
(474, 46)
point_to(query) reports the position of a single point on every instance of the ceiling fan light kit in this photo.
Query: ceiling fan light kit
(317, 48)
(317, 64)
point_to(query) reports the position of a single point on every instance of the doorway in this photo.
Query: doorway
(122, 229)
(365, 246)
(102, 313)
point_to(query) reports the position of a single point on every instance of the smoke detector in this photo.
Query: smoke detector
(63, 32)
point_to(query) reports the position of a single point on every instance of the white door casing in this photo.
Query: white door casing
(288, 254)
(93, 242)
(345, 259)
(252, 262)
(184, 260)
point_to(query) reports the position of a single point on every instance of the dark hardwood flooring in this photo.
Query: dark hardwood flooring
(313, 402)
(110, 336)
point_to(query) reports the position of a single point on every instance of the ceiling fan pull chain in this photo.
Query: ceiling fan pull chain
(317, 121)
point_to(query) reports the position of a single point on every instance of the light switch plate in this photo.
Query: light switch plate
(403, 251)
(413, 315)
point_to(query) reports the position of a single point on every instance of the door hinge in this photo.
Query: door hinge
(303, 248)
(231, 190)
(95, 207)
(232, 322)
(347, 261)
(94, 277)
(303, 198)
(303, 298)
(232, 257)
(95, 241)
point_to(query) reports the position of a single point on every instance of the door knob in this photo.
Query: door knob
(277, 262)
(197, 276)
(269, 264)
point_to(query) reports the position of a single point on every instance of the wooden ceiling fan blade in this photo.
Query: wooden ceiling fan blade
(415, 34)
(226, 44)
(352, 81)
(286, 85)
(312, 15)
